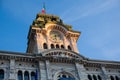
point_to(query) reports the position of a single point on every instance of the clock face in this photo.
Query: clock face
(55, 36)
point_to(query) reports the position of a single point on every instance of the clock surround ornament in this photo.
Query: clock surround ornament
(55, 36)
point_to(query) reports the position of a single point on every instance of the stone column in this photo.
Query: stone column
(23, 75)
(12, 75)
(81, 71)
(105, 76)
(30, 75)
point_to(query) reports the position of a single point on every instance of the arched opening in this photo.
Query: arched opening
(111, 77)
(69, 48)
(26, 75)
(57, 46)
(32, 75)
(99, 77)
(62, 47)
(45, 46)
(116, 77)
(52, 46)
(20, 77)
(1, 74)
(94, 77)
(65, 76)
(89, 77)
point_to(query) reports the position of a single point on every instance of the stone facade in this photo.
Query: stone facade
(52, 54)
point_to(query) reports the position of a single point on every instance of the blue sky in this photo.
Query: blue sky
(98, 20)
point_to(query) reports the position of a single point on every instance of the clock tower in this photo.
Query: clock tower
(48, 32)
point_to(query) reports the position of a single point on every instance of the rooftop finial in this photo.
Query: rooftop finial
(43, 9)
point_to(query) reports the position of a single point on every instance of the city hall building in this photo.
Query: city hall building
(52, 54)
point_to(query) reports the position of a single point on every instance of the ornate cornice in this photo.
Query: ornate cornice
(101, 63)
(6, 55)
(65, 52)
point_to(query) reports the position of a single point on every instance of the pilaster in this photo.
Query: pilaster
(105, 76)
(47, 40)
(12, 75)
(37, 47)
(81, 71)
(47, 63)
(42, 71)
(64, 42)
(74, 45)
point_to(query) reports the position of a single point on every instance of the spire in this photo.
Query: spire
(43, 9)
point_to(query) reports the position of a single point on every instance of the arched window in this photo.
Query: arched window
(1, 74)
(89, 77)
(26, 75)
(64, 76)
(62, 47)
(94, 77)
(111, 77)
(32, 75)
(116, 77)
(52, 46)
(20, 77)
(45, 46)
(99, 77)
(57, 46)
(69, 48)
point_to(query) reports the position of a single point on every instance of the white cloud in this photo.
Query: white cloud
(106, 5)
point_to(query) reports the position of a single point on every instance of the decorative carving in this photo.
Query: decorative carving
(55, 37)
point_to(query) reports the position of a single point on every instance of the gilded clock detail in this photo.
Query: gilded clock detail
(55, 36)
